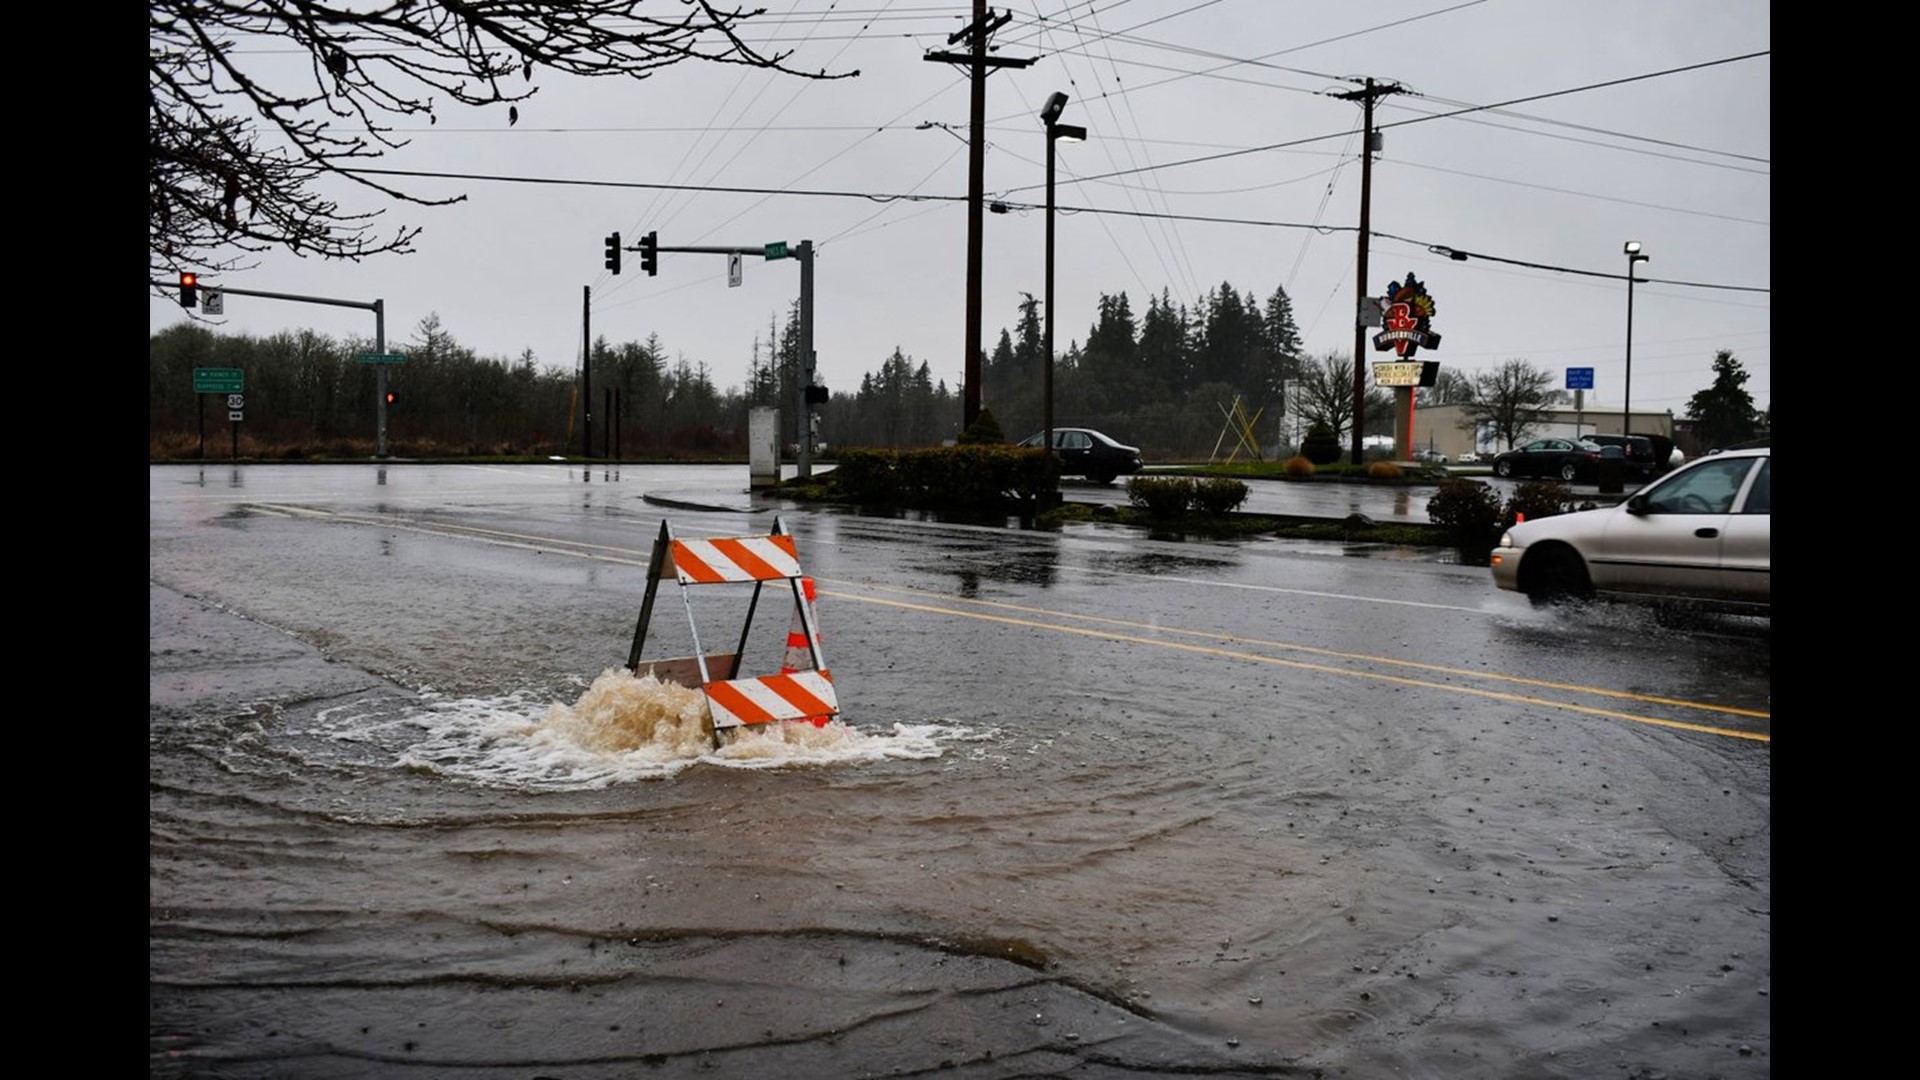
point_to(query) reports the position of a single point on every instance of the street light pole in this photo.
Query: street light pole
(1055, 132)
(1634, 255)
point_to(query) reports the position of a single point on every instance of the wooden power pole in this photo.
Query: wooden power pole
(985, 22)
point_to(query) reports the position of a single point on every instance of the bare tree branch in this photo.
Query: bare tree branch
(1511, 400)
(237, 157)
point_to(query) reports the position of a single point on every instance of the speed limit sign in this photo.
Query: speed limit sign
(236, 401)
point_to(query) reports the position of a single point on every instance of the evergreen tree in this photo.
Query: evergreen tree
(1723, 413)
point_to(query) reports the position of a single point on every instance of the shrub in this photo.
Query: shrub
(981, 476)
(1297, 466)
(1470, 512)
(985, 429)
(865, 475)
(1537, 499)
(1383, 470)
(1321, 446)
(1219, 495)
(1161, 496)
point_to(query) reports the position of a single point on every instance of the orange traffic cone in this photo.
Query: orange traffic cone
(799, 657)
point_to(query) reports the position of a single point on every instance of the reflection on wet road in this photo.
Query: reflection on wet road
(1104, 804)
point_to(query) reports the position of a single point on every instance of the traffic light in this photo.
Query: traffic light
(650, 253)
(613, 252)
(392, 397)
(189, 290)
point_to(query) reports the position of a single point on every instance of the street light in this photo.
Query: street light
(1632, 251)
(1056, 131)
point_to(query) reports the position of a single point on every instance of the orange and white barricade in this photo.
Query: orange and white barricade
(802, 690)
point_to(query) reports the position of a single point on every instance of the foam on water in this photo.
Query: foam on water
(624, 728)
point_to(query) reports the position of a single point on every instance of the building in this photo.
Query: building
(1445, 428)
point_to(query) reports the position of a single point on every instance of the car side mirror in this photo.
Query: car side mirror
(1637, 504)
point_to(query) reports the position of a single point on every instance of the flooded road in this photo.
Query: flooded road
(1101, 805)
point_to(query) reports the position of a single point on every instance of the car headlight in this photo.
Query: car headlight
(1506, 540)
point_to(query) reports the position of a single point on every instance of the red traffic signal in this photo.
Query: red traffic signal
(392, 397)
(189, 290)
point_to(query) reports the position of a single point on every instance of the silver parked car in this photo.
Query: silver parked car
(1700, 535)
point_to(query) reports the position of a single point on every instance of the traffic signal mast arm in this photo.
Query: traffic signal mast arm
(650, 249)
(370, 305)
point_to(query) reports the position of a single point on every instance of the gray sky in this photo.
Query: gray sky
(1217, 154)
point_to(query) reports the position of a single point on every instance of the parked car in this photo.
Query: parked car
(1431, 457)
(1565, 459)
(1469, 458)
(1086, 452)
(1637, 448)
(1701, 534)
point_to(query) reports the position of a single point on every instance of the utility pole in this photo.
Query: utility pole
(586, 374)
(1367, 146)
(985, 22)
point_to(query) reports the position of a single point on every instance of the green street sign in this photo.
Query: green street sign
(381, 358)
(777, 250)
(219, 380)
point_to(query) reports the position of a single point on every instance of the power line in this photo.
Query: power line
(1436, 248)
(1420, 120)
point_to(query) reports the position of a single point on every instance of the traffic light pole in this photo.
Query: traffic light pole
(379, 309)
(803, 251)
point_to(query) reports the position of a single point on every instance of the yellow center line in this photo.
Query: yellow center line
(1260, 658)
(1420, 665)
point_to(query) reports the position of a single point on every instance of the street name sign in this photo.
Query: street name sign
(381, 358)
(777, 250)
(218, 380)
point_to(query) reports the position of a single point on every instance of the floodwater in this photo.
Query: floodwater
(1100, 806)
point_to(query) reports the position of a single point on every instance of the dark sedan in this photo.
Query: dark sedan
(1086, 452)
(1561, 459)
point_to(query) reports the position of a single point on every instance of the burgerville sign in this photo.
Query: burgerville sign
(1406, 316)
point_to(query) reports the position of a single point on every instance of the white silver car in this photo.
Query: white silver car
(1701, 535)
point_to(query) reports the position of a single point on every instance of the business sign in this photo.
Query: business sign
(1407, 315)
(1396, 372)
(218, 380)
(1579, 378)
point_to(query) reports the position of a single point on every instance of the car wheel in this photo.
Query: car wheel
(1568, 472)
(1503, 468)
(1557, 577)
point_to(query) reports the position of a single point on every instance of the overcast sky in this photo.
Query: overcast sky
(1542, 134)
